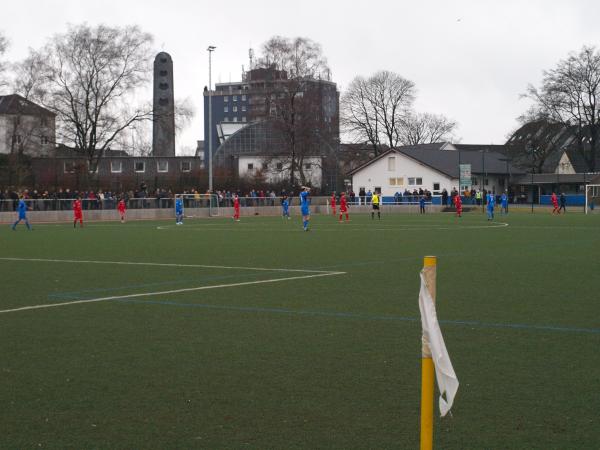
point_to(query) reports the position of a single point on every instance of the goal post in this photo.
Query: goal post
(592, 198)
(198, 205)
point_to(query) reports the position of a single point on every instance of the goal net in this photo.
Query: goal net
(198, 205)
(592, 198)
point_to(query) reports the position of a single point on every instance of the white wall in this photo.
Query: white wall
(313, 175)
(379, 173)
(31, 130)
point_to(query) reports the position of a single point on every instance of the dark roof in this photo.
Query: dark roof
(447, 161)
(476, 147)
(577, 161)
(15, 104)
(63, 151)
(555, 139)
(554, 178)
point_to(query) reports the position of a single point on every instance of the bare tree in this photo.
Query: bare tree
(137, 137)
(28, 76)
(294, 103)
(375, 108)
(570, 95)
(358, 114)
(425, 128)
(3, 47)
(88, 76)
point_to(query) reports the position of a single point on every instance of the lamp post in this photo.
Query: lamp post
(482, 184)
(210, 49)
(532, 172)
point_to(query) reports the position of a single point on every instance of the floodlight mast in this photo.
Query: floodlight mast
(210, 49)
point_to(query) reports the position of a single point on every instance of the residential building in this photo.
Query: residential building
(245, 120)
(25, 127)
(434, 167)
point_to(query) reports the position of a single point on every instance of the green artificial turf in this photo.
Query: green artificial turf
(327, 361)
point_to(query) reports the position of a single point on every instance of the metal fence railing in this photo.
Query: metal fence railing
(200, 201)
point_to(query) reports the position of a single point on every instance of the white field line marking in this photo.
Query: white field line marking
(132, 263)
(174, 291)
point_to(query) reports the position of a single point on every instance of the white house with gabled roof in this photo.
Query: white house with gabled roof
(433, 167)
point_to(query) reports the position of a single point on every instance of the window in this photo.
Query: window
(391, 163)
(225, 119)
(234, 109)
(226, 109)
(17, 139)
(235, 98)
(244, 119)
(243, 107)
(279, 166)
(392, 182)
(44, 140)
(92, 168)
(186, 166)
(307, 166)
(44, 121)
(419, 181)
(265, 166)
(162, 166)
(226, 98)
(250, 166)
(411, 181)
(400, 181)
(235, 119)
(139, 166)
(70, 167)
(244, 97)
(436, 186)
(116, 167)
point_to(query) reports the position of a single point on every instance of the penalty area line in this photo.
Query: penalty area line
(133, 263)
(173, 291)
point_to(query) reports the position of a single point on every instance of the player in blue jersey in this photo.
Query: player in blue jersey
(504, 203)
(305, 206)
(491, 202)
(285, 206)
(22, 210)
(179, 211)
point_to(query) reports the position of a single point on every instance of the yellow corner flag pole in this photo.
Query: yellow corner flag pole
(427, 369)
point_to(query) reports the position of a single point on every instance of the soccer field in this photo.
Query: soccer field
(218, 334)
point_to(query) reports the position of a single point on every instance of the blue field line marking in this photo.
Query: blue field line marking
(348, 315)
(90, 293)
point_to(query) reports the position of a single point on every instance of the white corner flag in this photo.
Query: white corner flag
(444, 372)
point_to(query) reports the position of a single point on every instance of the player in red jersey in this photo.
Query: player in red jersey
(343, 207)
(333, 203)
(77, 213)
(554, 199)
(122, 208)
(458, 204)
(236, 208)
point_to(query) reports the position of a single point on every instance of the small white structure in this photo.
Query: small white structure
(432, 167)
(275, 169)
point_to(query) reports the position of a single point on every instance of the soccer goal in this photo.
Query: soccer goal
(592, 198)
(199, 205)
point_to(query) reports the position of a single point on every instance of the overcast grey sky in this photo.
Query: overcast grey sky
(469, 59)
